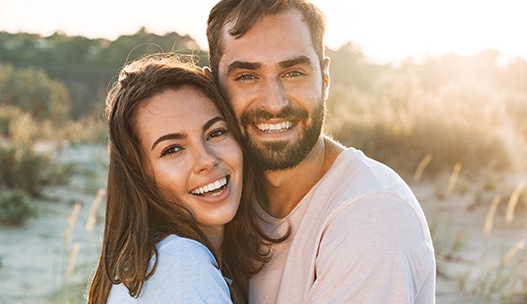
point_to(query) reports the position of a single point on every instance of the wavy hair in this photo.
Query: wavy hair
(137, 217)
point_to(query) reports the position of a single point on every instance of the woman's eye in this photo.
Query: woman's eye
(217, 132)
(170, 150)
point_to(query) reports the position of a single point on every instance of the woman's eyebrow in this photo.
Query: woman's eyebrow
(172, 136)
(212, 121)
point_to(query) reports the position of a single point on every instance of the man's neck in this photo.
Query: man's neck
(286, 188)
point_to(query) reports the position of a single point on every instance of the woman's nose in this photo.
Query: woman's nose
(204, 158)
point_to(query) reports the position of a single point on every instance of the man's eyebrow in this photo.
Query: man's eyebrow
(246, 65)
(301, 60)
(243, 65)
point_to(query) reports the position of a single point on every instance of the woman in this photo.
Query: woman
(179, 228)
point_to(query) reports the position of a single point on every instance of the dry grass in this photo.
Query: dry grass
(402, 124)
(488, 265)
(21, 127)
(513, 201)
(76, 277)
(489, 220)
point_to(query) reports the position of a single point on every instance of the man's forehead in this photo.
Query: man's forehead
(280, 37)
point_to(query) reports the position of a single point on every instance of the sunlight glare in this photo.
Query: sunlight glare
(384, 30)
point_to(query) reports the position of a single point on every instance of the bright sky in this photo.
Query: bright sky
(385, 30)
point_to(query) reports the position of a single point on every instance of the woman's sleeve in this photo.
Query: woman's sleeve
(186, 272)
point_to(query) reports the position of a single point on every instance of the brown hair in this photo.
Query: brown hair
(245, 13)
(137, 217)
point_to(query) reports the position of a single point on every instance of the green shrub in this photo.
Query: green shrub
(45, 98)
(24, 169)
(15, 208)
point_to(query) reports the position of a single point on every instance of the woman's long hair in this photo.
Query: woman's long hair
(137, 217)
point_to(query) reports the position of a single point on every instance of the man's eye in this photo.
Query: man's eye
(170, 150)
(217, 133)
(295, 73)
(245, 76)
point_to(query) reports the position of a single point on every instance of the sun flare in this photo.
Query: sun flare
(384, 30)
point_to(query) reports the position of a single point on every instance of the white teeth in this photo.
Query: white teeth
(210, 187)
(279, 127)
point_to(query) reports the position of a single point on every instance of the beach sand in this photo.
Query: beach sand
(34, 258)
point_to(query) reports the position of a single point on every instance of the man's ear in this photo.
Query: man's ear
(207, 72)
(325, 78)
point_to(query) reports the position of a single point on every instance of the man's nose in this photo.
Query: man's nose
(272, 96)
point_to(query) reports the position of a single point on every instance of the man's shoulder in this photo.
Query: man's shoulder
(352, 165)
(354, 175)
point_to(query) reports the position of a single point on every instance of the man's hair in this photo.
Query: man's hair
(243, 14)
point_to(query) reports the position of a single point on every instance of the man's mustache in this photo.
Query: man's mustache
(286, 113)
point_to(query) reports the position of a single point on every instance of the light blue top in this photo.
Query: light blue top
(186, 272)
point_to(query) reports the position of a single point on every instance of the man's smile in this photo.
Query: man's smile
(274, 127)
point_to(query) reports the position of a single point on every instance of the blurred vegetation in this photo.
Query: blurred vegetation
(15, 208)
(24, 173)
(464, 109)
(85, 66)
(447, 110)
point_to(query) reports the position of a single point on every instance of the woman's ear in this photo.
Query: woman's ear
(207, 72)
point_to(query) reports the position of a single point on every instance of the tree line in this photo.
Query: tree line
(85, 66)
(69, 75)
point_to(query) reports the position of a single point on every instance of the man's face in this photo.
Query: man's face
(273, 79)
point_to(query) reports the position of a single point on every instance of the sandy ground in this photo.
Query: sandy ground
(34, 259)
(477, 249)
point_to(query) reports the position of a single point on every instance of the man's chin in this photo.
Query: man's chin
(277, 156)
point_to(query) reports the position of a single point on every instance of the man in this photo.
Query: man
(358, 235)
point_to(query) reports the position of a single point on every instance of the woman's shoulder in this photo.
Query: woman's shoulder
(185, 272)
(174, 246)
(188, 269)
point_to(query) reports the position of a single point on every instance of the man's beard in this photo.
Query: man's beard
(281, 155)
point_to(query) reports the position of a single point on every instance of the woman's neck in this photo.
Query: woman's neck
(215, 237)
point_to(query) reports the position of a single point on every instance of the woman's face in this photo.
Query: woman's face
(191, 155)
